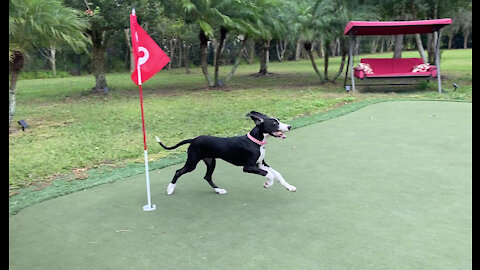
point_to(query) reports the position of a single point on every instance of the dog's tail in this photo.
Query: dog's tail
(173, 147)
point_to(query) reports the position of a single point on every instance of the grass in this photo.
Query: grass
(73, 130)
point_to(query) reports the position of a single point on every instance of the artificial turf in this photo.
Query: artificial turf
(388, 186)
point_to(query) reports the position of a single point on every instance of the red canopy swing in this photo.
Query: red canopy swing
(391, 67)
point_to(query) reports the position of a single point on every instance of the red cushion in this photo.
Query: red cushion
(391, 65)
(359, 73)
(403, 74)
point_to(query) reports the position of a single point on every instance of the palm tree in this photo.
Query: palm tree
(222, 17)
(269, 26)
(452, 29)
(40, 24)
(208, 15)
(317, 20)
(324, 20)
(306, 28)
(466, 24)
(344, 12)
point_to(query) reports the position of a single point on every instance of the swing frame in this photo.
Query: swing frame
(369, 28)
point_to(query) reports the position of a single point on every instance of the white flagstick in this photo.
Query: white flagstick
(149, 206)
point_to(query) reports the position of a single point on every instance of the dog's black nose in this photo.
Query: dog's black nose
(289, 127)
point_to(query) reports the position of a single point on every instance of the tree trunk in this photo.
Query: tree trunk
(418, 39)
(431, 41)
(321, 50)
(267, 53)
(391, 43)
(308, 48)
(374, 45)
(298, 49)
(203, 56)
(263, 64)
(53, 60)
(356, 50)
(15, 66)
(171, 51)
(397, 51)
(338, 46)
(130, 50)
(326, 58)
(382, 42)
(223, 36)
(237, 62)
(186, 54)
(251, 53)
(333, 47)
(263, 55)
(431, 38)
(12, 100)
(342, 64)
(420, 48)
(99, 61)
(180, 53)
(281, 48)
(50, 55)
(466, 33)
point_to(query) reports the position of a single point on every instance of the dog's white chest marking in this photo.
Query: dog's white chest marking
(262, 154)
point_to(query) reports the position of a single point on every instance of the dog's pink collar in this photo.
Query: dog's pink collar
(255, 140)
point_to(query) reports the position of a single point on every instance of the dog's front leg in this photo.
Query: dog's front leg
(265, 167)
(279, 178)
(256, 170)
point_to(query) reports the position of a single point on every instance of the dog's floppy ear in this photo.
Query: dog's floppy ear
(256, 117)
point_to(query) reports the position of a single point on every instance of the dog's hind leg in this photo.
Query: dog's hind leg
(210, 162)
(189, 166)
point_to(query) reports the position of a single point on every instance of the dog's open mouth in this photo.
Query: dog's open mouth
(279, 134)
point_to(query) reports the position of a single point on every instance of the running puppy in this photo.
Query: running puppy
(247, 151)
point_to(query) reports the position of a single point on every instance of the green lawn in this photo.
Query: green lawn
(72, 130)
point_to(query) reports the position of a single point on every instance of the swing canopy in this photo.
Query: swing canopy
(369, 28)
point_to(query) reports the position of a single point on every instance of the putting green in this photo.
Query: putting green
(386, 187)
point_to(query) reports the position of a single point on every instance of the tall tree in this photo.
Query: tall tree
(40, 24)
(309, 28)
(325, 20)
(216, 19)
(105, 18)
(207, 14)
(345, 12)
(269, 27)
(465, 24)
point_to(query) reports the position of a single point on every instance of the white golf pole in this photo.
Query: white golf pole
(149, 206)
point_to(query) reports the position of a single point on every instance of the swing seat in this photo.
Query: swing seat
(393, 68)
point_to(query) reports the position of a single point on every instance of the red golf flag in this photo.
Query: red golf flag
(149, 58)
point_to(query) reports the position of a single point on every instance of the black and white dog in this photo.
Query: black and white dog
(247, 151)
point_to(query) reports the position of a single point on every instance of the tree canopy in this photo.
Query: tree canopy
(219, 32)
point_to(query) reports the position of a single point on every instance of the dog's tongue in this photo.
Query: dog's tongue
(281, 135)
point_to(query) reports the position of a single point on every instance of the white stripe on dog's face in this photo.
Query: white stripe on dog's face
(282, 126)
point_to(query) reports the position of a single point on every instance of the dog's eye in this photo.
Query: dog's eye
(275, 123)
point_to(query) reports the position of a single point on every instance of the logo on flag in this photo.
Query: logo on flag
(149, 58)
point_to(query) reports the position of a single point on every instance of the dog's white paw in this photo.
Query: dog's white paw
(170, 189)
(291, 188)
(220, 191)
(268, 184)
